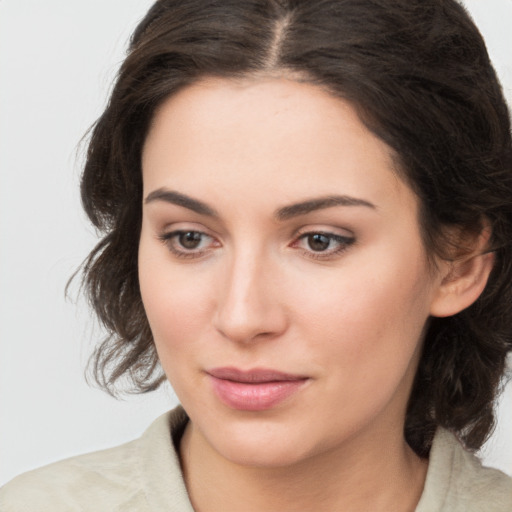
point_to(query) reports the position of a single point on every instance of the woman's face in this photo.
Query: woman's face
(281, 270)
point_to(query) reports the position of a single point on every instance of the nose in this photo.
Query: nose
(249, 306)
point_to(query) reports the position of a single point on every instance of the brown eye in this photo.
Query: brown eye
(318, 242)
(190, 239)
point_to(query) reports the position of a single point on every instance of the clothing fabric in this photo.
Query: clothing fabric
(145, 476)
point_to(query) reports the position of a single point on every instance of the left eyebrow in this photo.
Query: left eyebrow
(311, 205)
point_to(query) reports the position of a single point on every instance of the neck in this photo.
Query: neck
(376, 471)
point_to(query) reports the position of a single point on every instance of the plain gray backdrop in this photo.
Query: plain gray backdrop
(57, 62)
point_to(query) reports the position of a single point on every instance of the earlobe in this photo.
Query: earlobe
(462, 283)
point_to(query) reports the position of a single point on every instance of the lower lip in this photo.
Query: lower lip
(255, 396)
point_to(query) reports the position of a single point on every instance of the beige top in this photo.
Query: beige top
(144, 476)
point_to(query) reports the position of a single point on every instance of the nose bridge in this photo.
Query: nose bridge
(248, 306)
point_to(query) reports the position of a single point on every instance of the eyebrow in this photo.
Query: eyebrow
(320, 203)
(170, 196)
(282, 214)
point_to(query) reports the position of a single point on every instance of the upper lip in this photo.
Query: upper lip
(256, 375)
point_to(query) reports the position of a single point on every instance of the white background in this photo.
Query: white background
(57, 61)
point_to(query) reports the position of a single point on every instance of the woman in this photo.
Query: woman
(306, 208)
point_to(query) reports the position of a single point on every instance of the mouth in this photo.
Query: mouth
(254, 390)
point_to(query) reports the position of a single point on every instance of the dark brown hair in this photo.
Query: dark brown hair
(419, 75)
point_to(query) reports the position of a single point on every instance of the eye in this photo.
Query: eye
(188, 243)
(318, 242)
(190, 239)
(323, 245)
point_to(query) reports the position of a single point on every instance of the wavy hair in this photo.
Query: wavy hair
(419, 75)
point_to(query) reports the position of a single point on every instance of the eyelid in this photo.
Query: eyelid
(326, 230)
(184, 226)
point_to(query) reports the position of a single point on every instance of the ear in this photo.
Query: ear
(463, 279)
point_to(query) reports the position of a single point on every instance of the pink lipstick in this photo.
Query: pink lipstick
(253, 390)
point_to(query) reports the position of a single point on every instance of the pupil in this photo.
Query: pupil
(318, 242)
(190, 240)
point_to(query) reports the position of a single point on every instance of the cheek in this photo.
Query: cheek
(175, 302)
(175, 309)
(372, 316)
(366, 338)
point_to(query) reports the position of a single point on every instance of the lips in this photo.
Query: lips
(254, 390)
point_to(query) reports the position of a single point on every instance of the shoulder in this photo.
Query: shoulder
(76, 480)
(480, 487)
(457, 481)
(114, 479)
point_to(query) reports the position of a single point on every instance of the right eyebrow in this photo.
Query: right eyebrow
(173, 197)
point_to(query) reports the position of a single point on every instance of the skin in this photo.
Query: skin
(255, 293)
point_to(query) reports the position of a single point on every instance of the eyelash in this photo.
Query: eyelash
(344, 243)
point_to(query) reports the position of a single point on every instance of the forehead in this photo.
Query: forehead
(266, 134)
(284, 108)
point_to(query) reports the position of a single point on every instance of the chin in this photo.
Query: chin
(262, 444)
(276, 454)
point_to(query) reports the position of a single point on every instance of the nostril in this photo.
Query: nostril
(247, 327)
